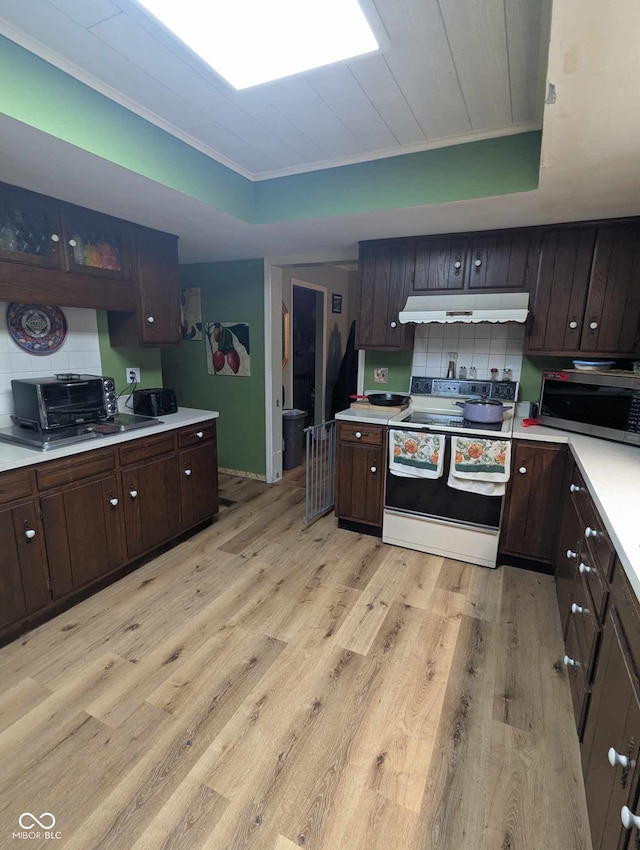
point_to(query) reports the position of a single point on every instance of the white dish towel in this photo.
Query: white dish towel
(416, 454)
(480, 465)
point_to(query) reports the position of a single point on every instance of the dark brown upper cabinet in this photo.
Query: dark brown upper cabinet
(386, 269)
(97, 245)
(587, 296)
(30, 229)
(498, 261)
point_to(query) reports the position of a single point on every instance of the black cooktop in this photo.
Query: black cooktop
(46, 440)
(451, 422)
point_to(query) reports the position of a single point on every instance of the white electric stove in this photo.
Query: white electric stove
(427, 514)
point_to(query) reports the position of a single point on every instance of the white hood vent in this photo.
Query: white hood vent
(450, 309)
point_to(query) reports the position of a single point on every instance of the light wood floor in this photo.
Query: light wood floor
(265, 687)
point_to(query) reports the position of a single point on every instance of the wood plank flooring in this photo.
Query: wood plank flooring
(265, 687)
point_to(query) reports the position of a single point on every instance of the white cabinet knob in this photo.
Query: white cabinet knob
(457, 264)
(591, 532)
(573, 488)
(628, 818)
(374, 469)
(578, 609)
(571, 554)
(615, 758)
(30, 534)
(133, 493)
(573, 325)
(570, 662)
(585, 568)
(187, 472)
(199, 434)
(113, 501)
(358, 435)
(593, 325)
(55, 237)
(150, 319)
(394, 324)
(522, 470)
(477, 263)
(73, 243)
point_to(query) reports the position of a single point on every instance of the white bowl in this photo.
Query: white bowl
(593, 365)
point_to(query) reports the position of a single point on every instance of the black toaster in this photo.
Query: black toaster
(154, 402)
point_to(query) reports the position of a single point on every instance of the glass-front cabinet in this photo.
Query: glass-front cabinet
(30, 231)
(97, 245)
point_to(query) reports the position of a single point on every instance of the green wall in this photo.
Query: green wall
(532, 369)
(230, 292)
(399, 365)
(42, 96)
(116, 360)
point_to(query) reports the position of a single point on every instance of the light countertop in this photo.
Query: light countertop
(612, 474)
(380, 417)
(13, 457)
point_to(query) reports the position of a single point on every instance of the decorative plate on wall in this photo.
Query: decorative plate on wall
(37, 328)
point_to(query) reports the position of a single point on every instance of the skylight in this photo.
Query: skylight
(249, 42)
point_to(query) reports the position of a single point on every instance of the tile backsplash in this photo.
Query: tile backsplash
(483, 345)
(80, 352)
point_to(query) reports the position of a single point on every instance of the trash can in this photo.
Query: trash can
(292, 437)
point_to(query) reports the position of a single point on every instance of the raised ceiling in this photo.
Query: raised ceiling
(454, 70)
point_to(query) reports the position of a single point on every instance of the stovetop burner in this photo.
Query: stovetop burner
(451, 422)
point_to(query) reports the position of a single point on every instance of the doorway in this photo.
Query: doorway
(308, 367)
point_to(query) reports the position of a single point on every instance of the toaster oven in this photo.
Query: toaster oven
(47, 404)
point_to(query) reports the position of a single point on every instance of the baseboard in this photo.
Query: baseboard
(242, 473)
(525, 564)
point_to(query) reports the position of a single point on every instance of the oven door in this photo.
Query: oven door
(433, 498)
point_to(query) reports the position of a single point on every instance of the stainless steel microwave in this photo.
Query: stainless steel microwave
(593, 403)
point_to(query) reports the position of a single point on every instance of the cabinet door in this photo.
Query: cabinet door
(30, 230)
(151, 495)
(198, 484)
(530, 522)
(84, 532)
(613, 722)
(440, 264)
(502, 261)
(559, 298)
(613, 304)
(360, 474)
(159, 288)
(24, 578)
(385, 281)
(96, 245)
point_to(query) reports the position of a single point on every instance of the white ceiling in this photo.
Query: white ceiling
(452, 70)
(590, 162)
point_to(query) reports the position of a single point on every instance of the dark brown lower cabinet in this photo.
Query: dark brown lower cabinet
(66, 524)
(198, 484)
(360, 473)
(24, 578)
(611, 746)
(84, 533)
(151, 495)
(530, 519)
(568, 550)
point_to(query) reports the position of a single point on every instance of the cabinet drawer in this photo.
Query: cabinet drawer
(137, 451)
(67, 470)
(586, 625)
(594, 578)
(624, 599)
(360, 432)
(196, 434)
(579, 493)
(598, 542)
(16, 484)
(575, 666)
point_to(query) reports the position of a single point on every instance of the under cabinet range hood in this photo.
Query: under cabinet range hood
(450, 309)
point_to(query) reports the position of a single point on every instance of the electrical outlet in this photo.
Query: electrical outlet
(133, 374)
